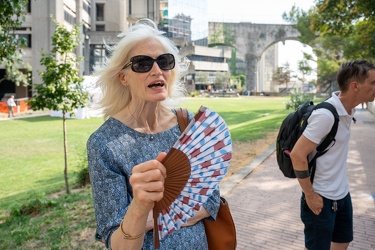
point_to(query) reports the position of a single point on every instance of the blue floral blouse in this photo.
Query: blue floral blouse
(112, 151)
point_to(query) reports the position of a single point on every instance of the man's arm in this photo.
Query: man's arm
(299, 154)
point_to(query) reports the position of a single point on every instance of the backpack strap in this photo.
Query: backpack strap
(331, 135)
(182, 118)
(323, 146)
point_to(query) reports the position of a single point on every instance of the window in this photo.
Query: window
(87, 7)
(98, 54)
(100, 27)
(28, 6)
(69, 17)
(26, 38)
(100, 12)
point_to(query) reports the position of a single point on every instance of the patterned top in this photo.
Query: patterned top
(112, 151)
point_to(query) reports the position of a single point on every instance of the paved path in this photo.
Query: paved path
(265, 204)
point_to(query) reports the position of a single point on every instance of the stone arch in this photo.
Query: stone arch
(251, 40)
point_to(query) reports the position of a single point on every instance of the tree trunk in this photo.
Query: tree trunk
(65, 155)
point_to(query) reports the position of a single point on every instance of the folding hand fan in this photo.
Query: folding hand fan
(195, 165)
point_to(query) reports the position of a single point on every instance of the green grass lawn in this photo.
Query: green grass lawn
(247, 118)
(32, 164)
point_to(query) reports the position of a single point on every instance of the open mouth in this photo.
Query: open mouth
(156, 85)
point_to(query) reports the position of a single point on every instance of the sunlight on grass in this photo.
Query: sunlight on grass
(242, 124)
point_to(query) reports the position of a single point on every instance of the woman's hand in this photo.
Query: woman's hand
(201, 214)
(147, 181)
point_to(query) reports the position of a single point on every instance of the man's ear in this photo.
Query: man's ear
(122, 78)
(354, 86)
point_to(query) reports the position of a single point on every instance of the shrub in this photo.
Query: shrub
(33, 207)
(83, 177)
(296, 99)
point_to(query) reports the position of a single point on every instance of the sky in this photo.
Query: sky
(256, 11)
(262, 11)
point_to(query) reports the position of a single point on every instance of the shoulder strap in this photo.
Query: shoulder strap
(182, 118)
(331, 135)
(323, 146)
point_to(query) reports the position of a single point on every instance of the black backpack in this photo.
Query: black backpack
(292, 128)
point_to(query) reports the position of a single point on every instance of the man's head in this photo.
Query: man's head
(353, 71)
(357, 80)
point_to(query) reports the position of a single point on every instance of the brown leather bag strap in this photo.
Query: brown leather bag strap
(182, 118)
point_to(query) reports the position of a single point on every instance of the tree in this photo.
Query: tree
(223, 35)
(238, 79)
(201, 77)
(304, 68)
(62, 88)
(328, 49)
(337, 30)
(222, 79)
(12, 16)
(351, 21)
(351, 24)
(282, 75)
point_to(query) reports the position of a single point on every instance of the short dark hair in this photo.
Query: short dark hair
(356, 70)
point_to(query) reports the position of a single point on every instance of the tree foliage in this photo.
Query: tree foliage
(239, 80)
(62, 88)
(304, 68)
(201, 77)
(222, 79)
(282, 75)
(351, 21)
(337, 30)
(12, 16)
(224, 35)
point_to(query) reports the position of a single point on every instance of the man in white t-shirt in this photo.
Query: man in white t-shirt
(326, 207)
(11, 104)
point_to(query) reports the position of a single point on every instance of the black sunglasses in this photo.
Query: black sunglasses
(143, 64)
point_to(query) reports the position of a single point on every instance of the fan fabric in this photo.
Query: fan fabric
(195, 165)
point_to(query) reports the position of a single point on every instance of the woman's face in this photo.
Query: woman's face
(151, 86)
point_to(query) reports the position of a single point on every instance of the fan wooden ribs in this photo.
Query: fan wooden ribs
(178, 172)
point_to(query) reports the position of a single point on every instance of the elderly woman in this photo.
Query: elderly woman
(125, 153)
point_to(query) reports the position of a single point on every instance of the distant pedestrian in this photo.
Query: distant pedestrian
(326, 206)
(11, 104)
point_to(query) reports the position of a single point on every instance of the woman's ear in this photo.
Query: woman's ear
(122, 78)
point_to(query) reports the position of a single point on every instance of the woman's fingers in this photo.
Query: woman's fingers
(159, 158)
(147, 181)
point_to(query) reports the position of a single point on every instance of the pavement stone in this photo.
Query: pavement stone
(265, 204)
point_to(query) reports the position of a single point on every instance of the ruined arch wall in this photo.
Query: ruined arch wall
(251, 40)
